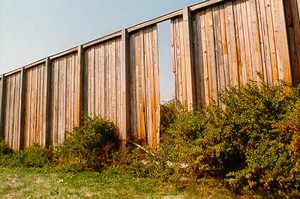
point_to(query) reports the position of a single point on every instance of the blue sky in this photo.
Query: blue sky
(33, 29)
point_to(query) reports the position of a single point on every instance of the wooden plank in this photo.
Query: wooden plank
(2, 106)
(133, 87)
(219, 49)
(205, 58)
(102, 79)
(124, 72)
(271, 37)
(64, 53)
(55, 108)
(8, 109)
(97, 80)
(281, 42)
(231, 44)
(146, 91)
(189, 63)
(241, 43)
(22, 108)
(113, 81)
(266, 62)
(12, 72)
(102, 39)
(80, 96)
(205, 4)
(211, 56)
(155, 21)
(47, 99)
(36, 63)
(293, 27)
(156, 91)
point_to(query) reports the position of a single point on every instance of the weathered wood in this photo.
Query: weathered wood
(215, 44)
(47, 99)
(124, 109)
(102, 39)
(189, 62)
(2, 106)
(64, 53)
(80, 86)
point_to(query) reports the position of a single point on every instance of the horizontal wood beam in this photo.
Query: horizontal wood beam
(155, 20)
(2, 106)
(35, 64)
(72, 50)
(102, 39)
(13, 72)
(205, 4)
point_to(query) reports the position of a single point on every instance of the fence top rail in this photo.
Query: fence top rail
(139, 26)
(35, 63)
(66, 52)
(173, 14)
(102, 39)
(13, 72)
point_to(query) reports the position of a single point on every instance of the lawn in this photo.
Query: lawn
(49, 182)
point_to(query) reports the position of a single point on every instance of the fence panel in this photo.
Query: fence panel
(12, 110)
(215, 44)
(103, 80)
(232, 43)
(64, 93)
(35, 106)
(144, 86)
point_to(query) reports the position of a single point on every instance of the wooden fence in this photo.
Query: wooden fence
(215, 44)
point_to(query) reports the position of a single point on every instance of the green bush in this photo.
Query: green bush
(4, 148)
(35, 156)
(168, 113)
(88, 146)
(253, 142)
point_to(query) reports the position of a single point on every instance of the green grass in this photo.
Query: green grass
(49, 182)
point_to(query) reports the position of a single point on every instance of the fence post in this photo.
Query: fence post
(79, 119)
(2, 106)
(47, 107)
(189, 59)
(22, 108)
(125, 116)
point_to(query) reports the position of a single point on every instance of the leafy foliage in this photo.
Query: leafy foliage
(253, 142)
(88, 146)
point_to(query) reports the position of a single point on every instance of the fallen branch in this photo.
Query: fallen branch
(141, 147)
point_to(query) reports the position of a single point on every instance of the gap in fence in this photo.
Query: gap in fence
(166, 76)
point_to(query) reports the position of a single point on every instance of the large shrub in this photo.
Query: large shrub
(88, 146)
(253, 142)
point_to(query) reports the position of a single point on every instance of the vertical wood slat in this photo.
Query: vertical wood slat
(63, 111)
(124, 109)
(2, 108)
(292, 12)
(189, 63)
(22, 108)
(80, 97)
(47, 110)
(144, 105)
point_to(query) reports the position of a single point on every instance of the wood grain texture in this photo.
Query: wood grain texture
(215, 44)
(292, 8)
(234, 42)
(103, 81)
(1, 105)
(64, 97)
(35, 114)
(144, 86)
(12, 110)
